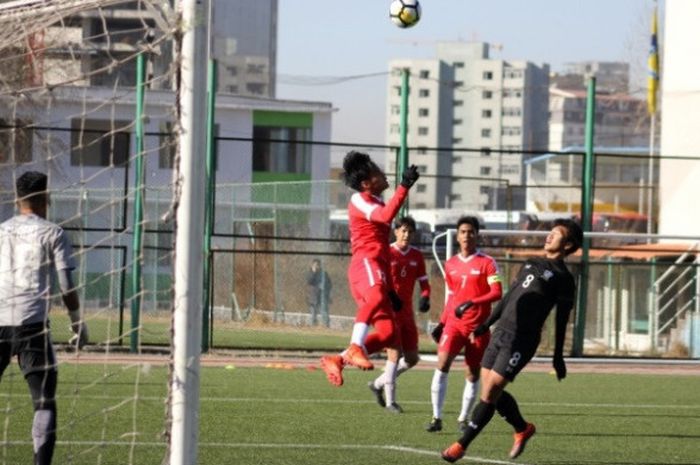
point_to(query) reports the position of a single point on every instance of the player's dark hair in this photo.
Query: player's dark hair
(30, 185)
(574, 234)
(357, 167)
(471, 220)
(407, 221)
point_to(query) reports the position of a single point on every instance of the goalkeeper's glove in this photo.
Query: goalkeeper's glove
(80, 331)
(410, 176)
(463, 307)
(436, 333)
(481, 329)
(396, 302)
(424, 304)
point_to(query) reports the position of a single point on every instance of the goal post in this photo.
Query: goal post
(189, 248)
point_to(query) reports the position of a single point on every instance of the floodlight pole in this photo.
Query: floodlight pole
(588, 180)
(189, 244)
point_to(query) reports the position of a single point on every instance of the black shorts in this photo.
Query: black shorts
(508, 353)
(31, 344)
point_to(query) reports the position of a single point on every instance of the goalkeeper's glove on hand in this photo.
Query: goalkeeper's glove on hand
(481, 329)
(424, 304)
(436, 333)
(463, 307)
(396, 303)
(410, 176)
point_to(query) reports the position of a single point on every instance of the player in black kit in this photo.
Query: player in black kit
(540, 284)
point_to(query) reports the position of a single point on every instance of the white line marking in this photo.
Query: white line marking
(240, 445)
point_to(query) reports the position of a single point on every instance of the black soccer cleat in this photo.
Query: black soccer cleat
(378, 393)
(434, 425)
(394, 408)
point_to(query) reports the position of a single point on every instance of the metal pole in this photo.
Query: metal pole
(209, 205)
(137, 243)
(588, 179)
(403, 146)
(650, 182)
(189, 244)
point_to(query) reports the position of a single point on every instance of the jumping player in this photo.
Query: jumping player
(407, 266)
(541, 284)
(30, 249)
(368, 274)
(473, 283)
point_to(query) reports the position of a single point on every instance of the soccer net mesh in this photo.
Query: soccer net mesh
(68, 92)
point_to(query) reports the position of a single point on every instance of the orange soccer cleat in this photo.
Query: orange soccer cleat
(332, 365)
(453, 453)
(356, 356)
(520, 440)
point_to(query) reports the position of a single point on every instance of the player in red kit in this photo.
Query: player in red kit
(369, 221)
(407, 266)
(472, 283)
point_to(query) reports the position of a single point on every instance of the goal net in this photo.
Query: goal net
(88, 95)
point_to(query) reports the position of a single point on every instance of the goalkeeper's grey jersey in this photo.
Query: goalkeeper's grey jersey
(30, 247)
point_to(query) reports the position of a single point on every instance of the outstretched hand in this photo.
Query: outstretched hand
(463, 307)
(410, 176)
(436, 333)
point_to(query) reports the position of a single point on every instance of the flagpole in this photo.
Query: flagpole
(650, 180)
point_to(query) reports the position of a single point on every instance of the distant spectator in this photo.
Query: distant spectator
(319, 292)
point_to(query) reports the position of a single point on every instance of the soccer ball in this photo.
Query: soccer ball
(404, 13)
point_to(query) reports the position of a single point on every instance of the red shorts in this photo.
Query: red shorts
(454, 339)
(363, 274)
(408, 335)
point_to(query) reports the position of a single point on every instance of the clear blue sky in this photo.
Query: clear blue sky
(335, 38)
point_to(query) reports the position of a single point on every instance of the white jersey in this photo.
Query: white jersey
(30, 247)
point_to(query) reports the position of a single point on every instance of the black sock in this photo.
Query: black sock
(481, 415)
(508, 408)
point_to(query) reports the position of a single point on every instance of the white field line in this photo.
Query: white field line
(241, 445)
(363, 401)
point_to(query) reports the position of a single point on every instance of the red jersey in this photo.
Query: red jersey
(472, 278)
(369, 221)
(407, 267)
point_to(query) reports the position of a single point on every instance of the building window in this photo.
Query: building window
(395, 129)
(421, 188)
(485, 171)
(485, 152)
(456, 122)
(422, 169)
(456, 197)
(232, 89)
(487, 95)
(422, 131)
(510, 131)
(423, 93)
(458, 64)
(486, 133)
(486, 113)
(255, 88)
(458, 103)
(17, 139)
(487, 75)
(484, 190)
(456, 159)
(512, 111)
(424, 74)
(422, 151)
(456, 140)
(167, 146)
(459, 84)
(423, 112)
(288, 156)
(395, 110)
(99, 143)
(232, 70)
(397, 90)
(255, 68)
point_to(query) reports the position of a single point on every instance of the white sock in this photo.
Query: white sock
(401, 367)
(438, 389)
(380, 380)
(468, 397)
(359, 334)
(390, 382)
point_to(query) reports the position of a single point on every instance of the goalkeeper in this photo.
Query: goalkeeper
(30, 249)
